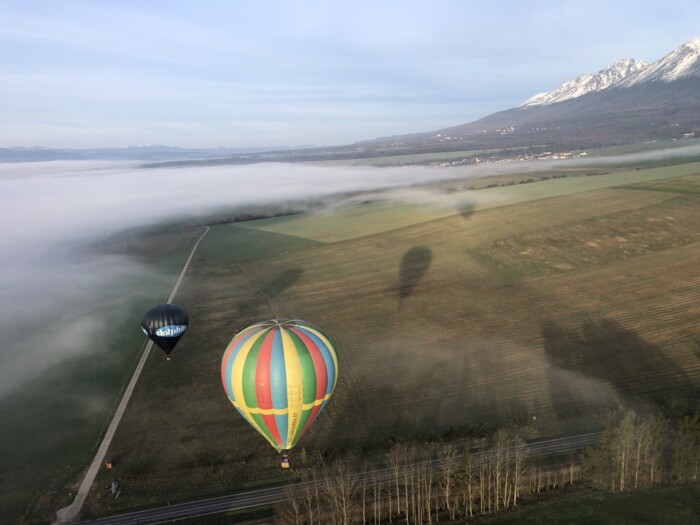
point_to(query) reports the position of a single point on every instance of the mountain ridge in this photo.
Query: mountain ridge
(682, 62)
(588, 82)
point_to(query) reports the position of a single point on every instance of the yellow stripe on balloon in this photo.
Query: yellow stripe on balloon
(331, 349)
(295, 390)
(284, 411)
(237, 384)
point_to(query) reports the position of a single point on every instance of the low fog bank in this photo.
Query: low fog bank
(51, 211)
(58, 293)
(692, 150)
(62, 307)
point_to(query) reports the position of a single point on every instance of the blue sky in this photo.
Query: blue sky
(204, 74)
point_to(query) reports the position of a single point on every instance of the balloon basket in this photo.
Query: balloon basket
(284, 463)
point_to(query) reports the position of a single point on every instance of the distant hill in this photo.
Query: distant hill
(149, 153)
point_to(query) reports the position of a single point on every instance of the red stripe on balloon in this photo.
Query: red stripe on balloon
(263, 388)
(319, 364)
(321, 373)
(312, 416)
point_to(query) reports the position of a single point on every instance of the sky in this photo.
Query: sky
(288, 73)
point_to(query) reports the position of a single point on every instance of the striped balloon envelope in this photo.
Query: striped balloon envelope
(279, 374)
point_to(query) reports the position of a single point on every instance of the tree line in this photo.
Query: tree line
(423, 483)
(427, 482)
(636, 452)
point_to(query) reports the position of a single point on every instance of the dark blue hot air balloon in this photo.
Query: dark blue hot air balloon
(165, 324)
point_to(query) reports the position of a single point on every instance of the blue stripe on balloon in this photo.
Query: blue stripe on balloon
(278, 382)
(282, 422)
(327, 358)
(278, 373)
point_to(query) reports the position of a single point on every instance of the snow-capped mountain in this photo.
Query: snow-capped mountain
(588, 82)
(683, 62)
(628, 102)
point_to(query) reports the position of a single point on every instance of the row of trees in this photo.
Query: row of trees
(431, 482)
(423, 483)
(637, 452)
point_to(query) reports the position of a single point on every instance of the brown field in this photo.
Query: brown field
(535, 313)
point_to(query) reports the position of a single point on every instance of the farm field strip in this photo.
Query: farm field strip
(381, 217)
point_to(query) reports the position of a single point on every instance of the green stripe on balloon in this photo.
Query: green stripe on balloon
(249, 368)
(261, 423)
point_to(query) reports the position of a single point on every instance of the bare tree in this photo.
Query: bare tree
(309, 495)
(469, 472)
(408, 468)
(365, 476)
(395, 455)
(499, 453)
(332, 496)
(376, 499)
(289, 512)
(346, 485)
(519, 457)
(448, 467)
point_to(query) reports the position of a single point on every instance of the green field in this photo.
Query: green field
(474, 330)
(380, 217)
(679, 505)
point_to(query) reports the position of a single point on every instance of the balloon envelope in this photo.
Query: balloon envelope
(280, 374)
(164, 325)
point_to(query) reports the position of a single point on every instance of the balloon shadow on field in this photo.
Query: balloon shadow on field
(270, 290)
(466, 209)
(612, 355)
(414, 264)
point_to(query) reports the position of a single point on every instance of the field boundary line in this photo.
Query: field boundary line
(71, 512)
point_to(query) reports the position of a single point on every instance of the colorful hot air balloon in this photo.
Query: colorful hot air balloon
(279, 374)
(164, 325)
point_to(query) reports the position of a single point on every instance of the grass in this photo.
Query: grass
(570, 185)
(598, 240)
(689, 185)
(347, 223)
(230, 243)
(431, 336)
(679, 505)
(381, 217)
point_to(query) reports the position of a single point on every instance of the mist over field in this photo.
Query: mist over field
(56, 294)
(655, 154)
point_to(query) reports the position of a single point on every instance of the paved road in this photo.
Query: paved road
(70, 513)
(270, 496)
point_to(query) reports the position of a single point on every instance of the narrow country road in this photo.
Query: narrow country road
(270, 496)
(70, 513)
